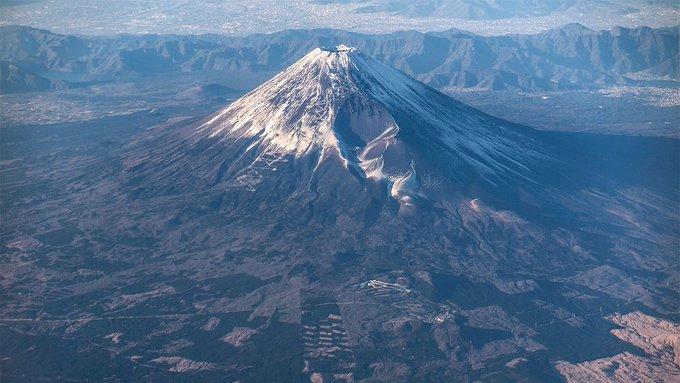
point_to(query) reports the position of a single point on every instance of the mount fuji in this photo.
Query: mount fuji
(342, 123)
(342, 141)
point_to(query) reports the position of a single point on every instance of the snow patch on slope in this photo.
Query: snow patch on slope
(406, 187)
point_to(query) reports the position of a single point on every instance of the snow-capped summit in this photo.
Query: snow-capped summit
(294, 111)
(340, 105)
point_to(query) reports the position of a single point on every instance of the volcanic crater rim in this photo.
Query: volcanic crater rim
(339, 48)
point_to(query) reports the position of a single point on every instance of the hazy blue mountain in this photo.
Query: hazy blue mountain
(462, 9)
(668, 69)
(215, 92)
(14, 79)
(488, 9)
(571, 57)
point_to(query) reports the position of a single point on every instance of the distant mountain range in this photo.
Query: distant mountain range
(568, 58)
(488, 9)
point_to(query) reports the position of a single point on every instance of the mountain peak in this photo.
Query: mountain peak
(294, 111)
(339, 106)
(572, 28)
